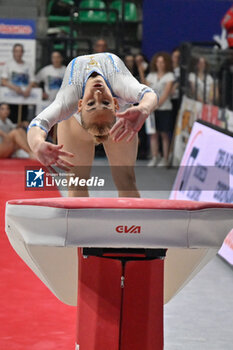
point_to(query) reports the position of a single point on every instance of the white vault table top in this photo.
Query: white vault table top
(46, 234)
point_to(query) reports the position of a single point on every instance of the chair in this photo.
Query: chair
(92, 15)
(130, 11)
(57, 18)
(66, 30)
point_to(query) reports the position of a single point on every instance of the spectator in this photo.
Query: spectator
(100, 46)
(142, 62)
(227, 24)
(51, 76)
(11, 137)
(201, 82)
(160, 79)
(18, 75)
(175, 93)
(130, 63)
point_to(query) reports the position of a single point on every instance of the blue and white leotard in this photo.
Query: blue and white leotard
(121, 82)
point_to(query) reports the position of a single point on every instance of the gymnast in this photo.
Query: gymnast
(95, 105)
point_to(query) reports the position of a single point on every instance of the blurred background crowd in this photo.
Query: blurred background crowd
(200, 70)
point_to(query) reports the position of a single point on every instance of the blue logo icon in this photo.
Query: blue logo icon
(35, 178)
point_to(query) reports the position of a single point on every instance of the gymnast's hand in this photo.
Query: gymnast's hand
(130, 122)
(49, 154)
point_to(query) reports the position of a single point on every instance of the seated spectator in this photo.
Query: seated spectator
(202, 83)
(18, 76)
(12, 138)
(100, 45)
(51, 76)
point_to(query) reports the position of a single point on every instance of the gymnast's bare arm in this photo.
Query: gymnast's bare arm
(46, 152)
(64, 106)
(131, 120)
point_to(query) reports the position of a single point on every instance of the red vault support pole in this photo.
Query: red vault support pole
(142, 321)
(120, 305)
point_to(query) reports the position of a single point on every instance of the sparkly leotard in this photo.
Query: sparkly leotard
(121, 82)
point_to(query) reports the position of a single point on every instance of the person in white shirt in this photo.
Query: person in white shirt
(160, 79)
(11, 137)
(94, 88)
(18, 76)
(51, 76)
(202, 83)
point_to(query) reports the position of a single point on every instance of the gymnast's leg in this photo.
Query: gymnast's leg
(77, 140)
(122, 157)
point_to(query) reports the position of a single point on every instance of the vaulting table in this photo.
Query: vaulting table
(118, 259)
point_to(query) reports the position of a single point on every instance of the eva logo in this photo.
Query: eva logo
(128, 229)
(35, 178)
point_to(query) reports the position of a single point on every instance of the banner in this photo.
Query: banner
(22, 31)
(213, 115)
(206, 172)
(17, 28)
(190, 111)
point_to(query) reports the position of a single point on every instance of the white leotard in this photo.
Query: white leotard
(122, 84)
